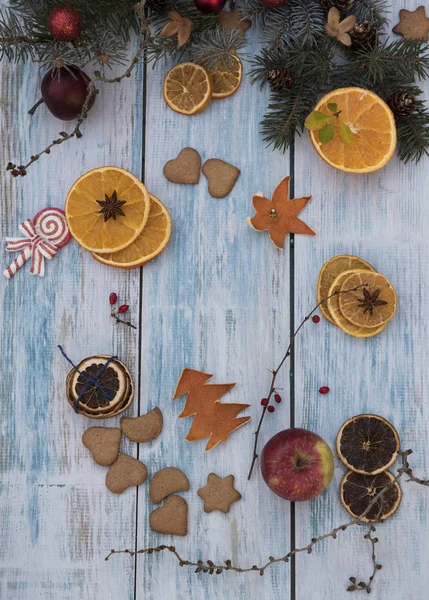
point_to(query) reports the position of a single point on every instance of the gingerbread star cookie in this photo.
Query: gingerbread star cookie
(413, 24)
(279, 215)
(219, 493)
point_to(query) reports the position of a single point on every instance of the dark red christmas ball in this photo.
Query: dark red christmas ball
(64, 92)
(210, 6)
(274, 3)
(65, 23)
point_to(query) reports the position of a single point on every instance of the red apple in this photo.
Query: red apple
(297, 464)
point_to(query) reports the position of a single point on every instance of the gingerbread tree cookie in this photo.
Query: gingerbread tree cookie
(279, 215)
(211, 417)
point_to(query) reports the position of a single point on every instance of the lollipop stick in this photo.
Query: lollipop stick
(17, 263)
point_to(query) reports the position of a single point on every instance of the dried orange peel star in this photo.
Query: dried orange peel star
(211, 418)
(279, 215)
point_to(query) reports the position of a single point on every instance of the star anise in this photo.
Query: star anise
(111, 207)
(369, 301)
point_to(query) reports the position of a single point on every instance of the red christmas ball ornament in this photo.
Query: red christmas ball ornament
(65, 23)
(274, 3)
(210, 6)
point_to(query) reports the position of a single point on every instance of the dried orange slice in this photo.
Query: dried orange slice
(358, 491)
(226, 78)
(333, 306)
(187, 88)
(149, 243)
(367, 444)
(369, 306)
(372, 123)
(106, 209)
(330, 271)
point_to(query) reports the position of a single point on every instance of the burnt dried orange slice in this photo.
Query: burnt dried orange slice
(367, 444)
(358, 491)
(115, 381)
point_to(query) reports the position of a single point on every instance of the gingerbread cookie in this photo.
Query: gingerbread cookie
(185, 168)
(125, 472)
(171, 518)
(167, 481)
(221, 177)
(413, 24)
(234, 20)
(143, 429)
(104, 444)
(219, 493)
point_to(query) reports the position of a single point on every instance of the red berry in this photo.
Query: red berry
(271, 409)
(264, 401)
(277, 398)
(113, 298)
(316, 319)
(324, 389)
(123, 309)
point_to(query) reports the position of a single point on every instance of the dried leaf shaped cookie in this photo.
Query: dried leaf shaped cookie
(279, 215)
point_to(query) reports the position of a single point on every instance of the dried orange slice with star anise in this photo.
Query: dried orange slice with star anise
(106, 209)
(371, 305)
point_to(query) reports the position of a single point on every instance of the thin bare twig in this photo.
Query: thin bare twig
(283, 360)
(208, 566)
(92, 90)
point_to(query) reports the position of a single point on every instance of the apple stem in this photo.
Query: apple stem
(35, 107)
(275, 372)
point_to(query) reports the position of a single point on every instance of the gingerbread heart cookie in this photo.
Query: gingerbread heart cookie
(125, 472)
(143, 429)
(185, 168)
(221, 177)
(171, 518)
(104, 444)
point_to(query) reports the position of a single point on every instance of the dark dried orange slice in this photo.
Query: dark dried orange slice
(358, 491)
(115, 381)
(367, 444)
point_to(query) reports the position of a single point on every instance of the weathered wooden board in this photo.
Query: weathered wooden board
(57, 518)
(215, 300)
(383, 218)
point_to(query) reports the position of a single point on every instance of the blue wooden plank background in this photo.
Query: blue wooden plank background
(217, 299)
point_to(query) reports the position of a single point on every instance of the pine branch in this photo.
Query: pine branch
(373, 11)
(413, 134)
(399, 61)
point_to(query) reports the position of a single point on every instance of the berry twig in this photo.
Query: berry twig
(113, 298)
(274, 373)
(210, 567)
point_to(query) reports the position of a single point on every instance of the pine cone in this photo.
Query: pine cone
(402, 103)
(279, 79)
(364, 36)
(342, 5)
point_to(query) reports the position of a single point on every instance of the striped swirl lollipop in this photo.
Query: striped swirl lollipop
(44, 235)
